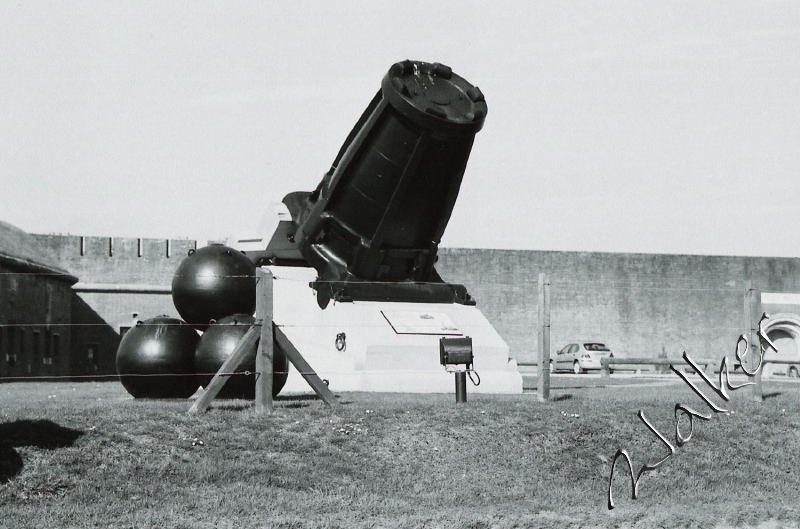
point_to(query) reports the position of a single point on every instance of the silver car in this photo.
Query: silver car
(580, 357)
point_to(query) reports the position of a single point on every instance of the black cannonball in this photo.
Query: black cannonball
(213, 282)
(218, 343)
(157, 347)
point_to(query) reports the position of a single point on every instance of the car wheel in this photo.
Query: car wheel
(793, 372)
(576, 368)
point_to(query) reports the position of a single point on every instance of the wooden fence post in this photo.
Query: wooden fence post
(543, 390)
(264, 355)
(753, 314)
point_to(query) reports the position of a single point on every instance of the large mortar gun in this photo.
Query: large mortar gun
(372, 226)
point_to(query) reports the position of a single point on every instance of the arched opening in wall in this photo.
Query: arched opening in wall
(784, 331)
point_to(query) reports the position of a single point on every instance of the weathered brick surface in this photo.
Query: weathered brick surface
(111, 261)
(33, 308)
(116, 259)
(640, 304)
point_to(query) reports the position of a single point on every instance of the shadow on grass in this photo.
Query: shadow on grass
(286, 401)
(296, 397)
(306, 397)
(222, 404)
(771, 395)
(10, 463)
(41, 434)
(565, 396)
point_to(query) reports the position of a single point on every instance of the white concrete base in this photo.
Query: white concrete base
(376, 357)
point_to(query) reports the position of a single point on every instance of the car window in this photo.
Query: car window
(595, 347)
(573, 348)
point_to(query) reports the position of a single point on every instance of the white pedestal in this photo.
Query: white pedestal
(376, 357)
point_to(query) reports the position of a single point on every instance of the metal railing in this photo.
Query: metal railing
(606, 363)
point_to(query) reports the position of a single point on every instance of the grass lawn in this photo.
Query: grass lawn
(88, 455)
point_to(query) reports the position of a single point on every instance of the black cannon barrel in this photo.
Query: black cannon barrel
(380, 211)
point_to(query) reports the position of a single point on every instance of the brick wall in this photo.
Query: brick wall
(38, 308)
(116, 259)
(120, 261)
(639, 304)
(112, 261)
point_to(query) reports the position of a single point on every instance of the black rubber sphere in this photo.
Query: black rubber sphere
(158, 346)
(218, 343)
(213, 282)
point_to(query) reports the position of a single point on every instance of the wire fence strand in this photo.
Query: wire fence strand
(106, 376)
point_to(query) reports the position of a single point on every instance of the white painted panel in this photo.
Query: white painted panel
(376, 358)
(780, 298)
(420, 322)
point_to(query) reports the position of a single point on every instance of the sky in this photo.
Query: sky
(657, 127)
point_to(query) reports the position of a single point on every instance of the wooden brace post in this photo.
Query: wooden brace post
(243, 349)
(297, 360)
(264, 337)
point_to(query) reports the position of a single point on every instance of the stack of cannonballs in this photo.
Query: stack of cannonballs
(214, 291)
